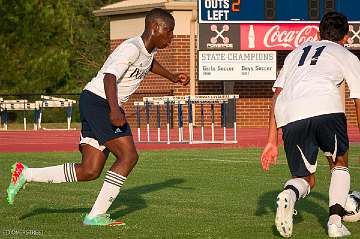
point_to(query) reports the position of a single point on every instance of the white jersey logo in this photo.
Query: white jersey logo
(332, 155)
(311, 168)
(118, 130)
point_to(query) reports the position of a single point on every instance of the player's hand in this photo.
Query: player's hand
(269, 156)
(117, 117)
(181, 78)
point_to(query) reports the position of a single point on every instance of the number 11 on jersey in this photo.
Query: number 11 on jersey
(314, 58)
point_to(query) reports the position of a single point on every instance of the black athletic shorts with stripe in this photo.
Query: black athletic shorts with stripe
(303, 138)
(96, 127)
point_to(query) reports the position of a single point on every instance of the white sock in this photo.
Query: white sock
(339, 186)
(338, 192)
(55, 174)
(298, 188)
(108, 193)
(335, 219)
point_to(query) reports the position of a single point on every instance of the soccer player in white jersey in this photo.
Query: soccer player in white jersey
(307, 106)
(104, 125)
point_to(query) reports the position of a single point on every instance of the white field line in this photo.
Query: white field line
(250, 161)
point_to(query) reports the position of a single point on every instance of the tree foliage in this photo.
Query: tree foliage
(50, 46)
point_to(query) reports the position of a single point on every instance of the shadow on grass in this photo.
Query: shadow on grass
(266, 204)
(132, 199)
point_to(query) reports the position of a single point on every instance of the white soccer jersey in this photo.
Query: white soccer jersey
(129, 62)
(310, 79)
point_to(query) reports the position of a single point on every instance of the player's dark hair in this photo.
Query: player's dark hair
(333, 26)
(158, 13)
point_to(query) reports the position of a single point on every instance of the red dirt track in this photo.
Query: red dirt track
(65, 141)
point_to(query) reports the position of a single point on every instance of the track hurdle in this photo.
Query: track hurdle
(55, 102)
(147, 105)
(211, 100)
(52, 98)
(10, 105)
(188, 101)
(166, 101)
(137, 107)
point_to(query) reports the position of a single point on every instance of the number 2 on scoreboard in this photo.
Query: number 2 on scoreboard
(235, 7)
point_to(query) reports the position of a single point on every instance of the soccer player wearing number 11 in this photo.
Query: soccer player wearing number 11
(308, 107)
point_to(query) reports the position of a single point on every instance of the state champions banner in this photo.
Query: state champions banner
(237, 65)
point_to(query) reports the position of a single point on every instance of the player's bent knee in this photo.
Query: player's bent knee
(92, 175)
(133, 159)
(87, 174)
(130, 160)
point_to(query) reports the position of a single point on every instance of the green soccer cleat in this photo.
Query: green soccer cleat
(17, 181)
(101, 220)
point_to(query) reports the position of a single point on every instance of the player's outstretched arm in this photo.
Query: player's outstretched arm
(270, 152)
(158, 69)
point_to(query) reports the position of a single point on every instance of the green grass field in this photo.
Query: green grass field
(170, 194)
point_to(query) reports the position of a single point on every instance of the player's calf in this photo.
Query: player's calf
(86, 173)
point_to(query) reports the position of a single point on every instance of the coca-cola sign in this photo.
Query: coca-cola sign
(270, 36)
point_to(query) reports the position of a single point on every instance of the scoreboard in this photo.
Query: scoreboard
(234, 11)
(239, 39)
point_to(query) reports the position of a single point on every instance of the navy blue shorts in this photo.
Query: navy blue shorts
(96, 127)
(303, 138)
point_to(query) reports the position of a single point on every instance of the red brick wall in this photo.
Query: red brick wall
(252, 108)
(350, 109)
